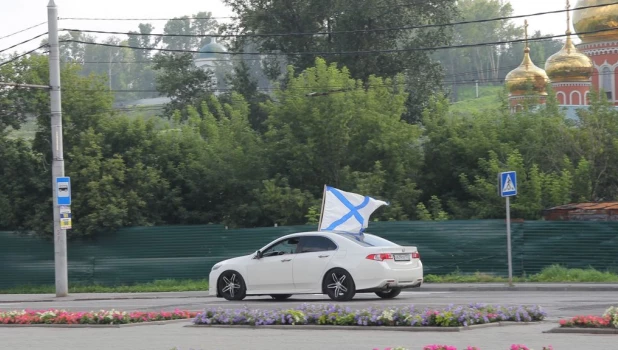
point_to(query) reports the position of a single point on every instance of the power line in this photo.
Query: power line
(22, 55)
(132, 19)
(308, 88)
(23, 42)
(335, 32)
(23, 30)
(207, 18)
(148, 62)
(325, 53)
(412, 27)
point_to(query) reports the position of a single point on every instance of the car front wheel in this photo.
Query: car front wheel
(338, 285)
(389, 293)
(232, 286)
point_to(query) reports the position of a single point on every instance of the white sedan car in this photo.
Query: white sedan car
(337, 264)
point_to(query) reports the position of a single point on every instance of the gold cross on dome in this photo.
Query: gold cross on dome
(568, 7)
(526, 31)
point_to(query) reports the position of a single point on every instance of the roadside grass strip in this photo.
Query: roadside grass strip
(449, 319)
(102, 318)
(550, 274)
(606, 324)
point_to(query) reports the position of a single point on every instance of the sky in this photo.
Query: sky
(16, 15)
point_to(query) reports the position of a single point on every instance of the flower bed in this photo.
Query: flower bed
(452, 316)
(450, 347)
(608, 320)
(447, 347)
(93, 317)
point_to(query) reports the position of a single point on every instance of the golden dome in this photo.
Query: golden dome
(594, 19)
(569, 64)
(518, 79)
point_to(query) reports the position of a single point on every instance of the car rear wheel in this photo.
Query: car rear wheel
(280, 296)
(339, 285)
(232, 286)
(389, 293)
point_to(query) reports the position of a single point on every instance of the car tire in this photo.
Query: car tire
(389, 293)
(339, 285)
(280, 296)
(231, 286)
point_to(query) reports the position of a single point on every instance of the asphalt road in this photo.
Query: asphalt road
(556, 303)
(165, 337)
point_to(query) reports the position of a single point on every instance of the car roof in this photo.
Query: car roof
(321, 233)
(325, 233)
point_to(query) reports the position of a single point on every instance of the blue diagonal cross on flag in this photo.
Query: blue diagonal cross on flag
(347, 212)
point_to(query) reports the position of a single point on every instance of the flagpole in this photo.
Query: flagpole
(322, 209)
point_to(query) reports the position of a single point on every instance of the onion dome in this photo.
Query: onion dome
(596, 19)
(569, 64)
(211, 50)
(518, 79)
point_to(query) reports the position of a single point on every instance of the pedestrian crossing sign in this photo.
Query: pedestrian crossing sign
(508, 184)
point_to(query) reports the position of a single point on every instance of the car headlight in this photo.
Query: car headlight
(216, 267)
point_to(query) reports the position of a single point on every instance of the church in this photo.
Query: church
(575, 70)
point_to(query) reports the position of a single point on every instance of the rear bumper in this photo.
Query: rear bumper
(380, 277)
(392, 284)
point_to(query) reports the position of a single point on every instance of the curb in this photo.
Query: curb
(45, 325)
(516, 288)
(369, 328)
(574, 330)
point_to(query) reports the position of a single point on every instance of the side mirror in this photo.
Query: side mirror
(258, 255)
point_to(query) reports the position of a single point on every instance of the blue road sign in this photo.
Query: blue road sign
(63, 190)
(508, 184)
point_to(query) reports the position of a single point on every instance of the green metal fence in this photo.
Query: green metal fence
(188, 252)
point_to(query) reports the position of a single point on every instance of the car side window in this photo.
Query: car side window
(310, 244)
(287, 246)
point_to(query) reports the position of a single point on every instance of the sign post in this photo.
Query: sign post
(508, 189)
(63, 195)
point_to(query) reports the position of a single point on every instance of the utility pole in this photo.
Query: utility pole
(60, 184)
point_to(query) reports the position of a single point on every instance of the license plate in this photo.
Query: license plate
(402, 257)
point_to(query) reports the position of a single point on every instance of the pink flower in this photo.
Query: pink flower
(439, 347)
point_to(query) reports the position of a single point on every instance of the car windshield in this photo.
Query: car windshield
(368, 240)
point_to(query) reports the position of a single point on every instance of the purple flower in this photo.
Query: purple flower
(404, 316)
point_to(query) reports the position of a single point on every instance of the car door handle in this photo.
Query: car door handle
(324, 256)
(286, 260)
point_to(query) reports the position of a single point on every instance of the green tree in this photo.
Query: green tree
(17, 104)
(141, 72)
(536, 190)
(181, 81)
(180, 26)
(596, 135)
(20, 184)
(355, 138)
(295, 16)
(243, 83)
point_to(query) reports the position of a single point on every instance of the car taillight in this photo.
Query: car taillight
(416, 255)
(380, 257)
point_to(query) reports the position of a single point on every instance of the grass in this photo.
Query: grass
(550, 274)
(168, 285)
(468, 103)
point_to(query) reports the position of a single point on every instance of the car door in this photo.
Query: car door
(273, 272)
(311, 261)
